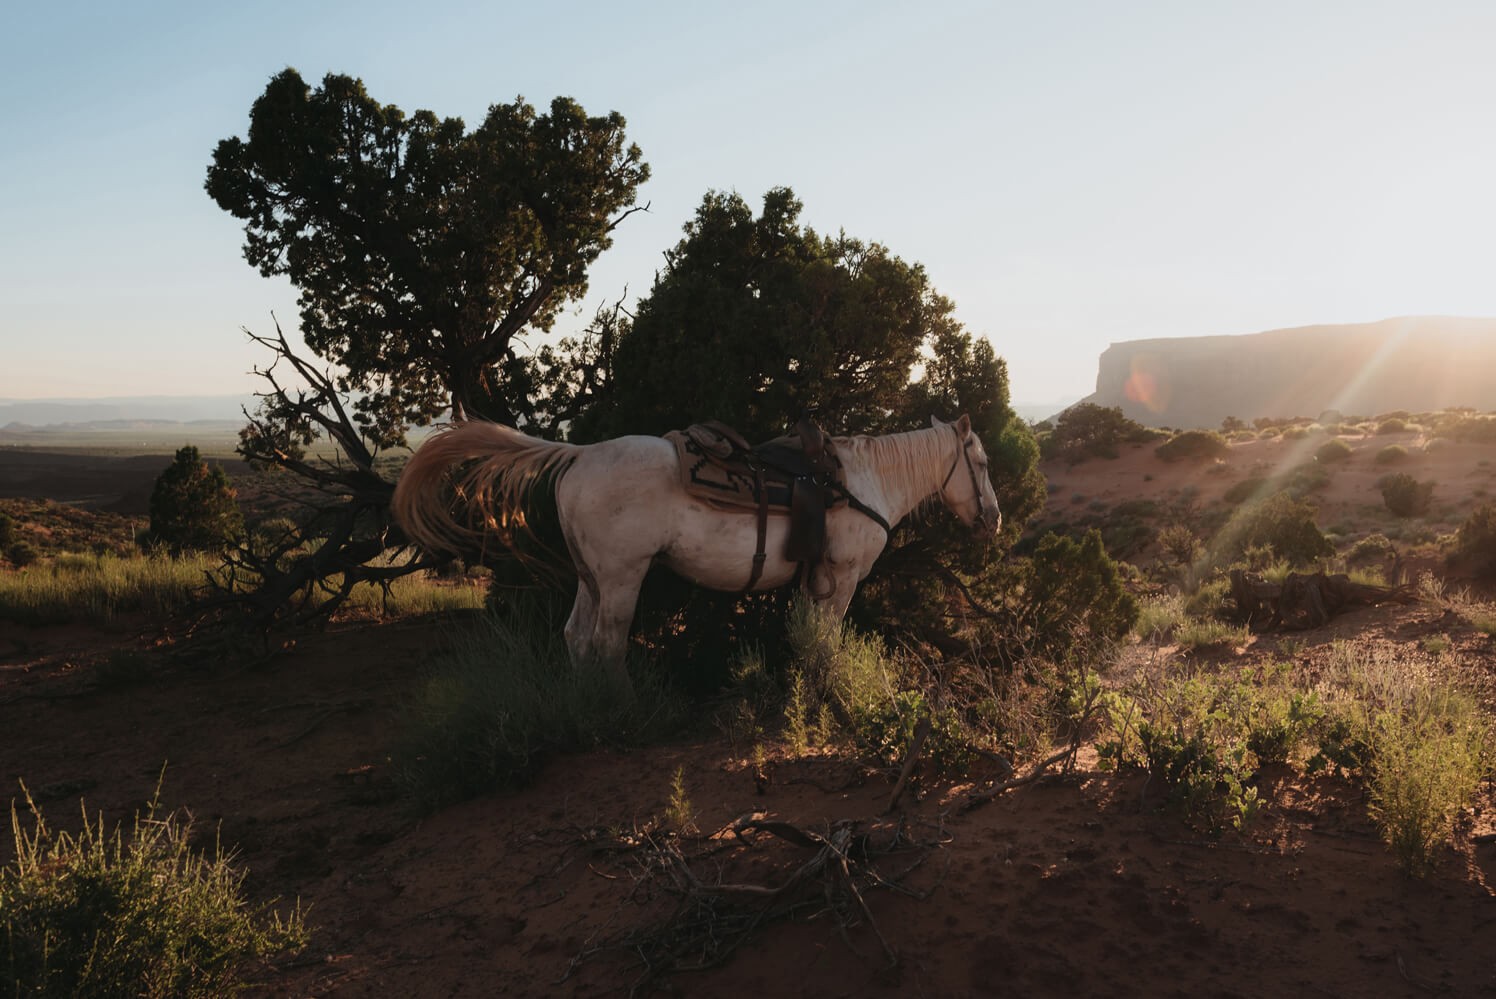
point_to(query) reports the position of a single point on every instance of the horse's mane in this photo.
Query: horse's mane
(502, 467)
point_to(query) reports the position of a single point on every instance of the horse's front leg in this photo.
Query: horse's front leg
(842, 578)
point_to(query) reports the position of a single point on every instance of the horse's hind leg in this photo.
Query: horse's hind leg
(582, 624)
(617, 596)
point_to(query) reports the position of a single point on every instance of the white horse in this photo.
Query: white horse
(622, 508)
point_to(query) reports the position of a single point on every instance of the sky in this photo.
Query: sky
(1070, 174)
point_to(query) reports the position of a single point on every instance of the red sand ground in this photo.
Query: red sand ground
(1074, 885)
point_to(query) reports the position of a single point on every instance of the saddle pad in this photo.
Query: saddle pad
(731, 482)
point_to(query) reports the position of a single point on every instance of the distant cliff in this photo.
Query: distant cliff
(1417, 363)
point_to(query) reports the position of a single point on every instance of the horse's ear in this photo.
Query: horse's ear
(963, 426)
(935, 421)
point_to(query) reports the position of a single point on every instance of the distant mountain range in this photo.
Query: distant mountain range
(1417, 363)
(120, 413)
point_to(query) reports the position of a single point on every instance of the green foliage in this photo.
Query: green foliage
(1204, 737)
(1429, 759)
(885, 731)
(7, 530)
(1475, 542)
(1193, 445)
(1391, 453)
(1393, 425)
(1088, 430)
(1405, 496)
(506, 699)
(756, 319)
(103, 915)
(421, 249)
(1332, 450)
(193, 506)
(1281, 523)
(1063, 601)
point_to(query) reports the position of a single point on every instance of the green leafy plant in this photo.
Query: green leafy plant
(1405, 496)
(103, 915)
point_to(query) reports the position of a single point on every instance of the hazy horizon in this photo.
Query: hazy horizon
(1070, 175)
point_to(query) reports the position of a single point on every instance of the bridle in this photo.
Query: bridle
(976, 489)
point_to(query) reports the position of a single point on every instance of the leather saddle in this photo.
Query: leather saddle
(798, 475)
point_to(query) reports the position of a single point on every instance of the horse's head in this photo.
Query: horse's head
(969, 496)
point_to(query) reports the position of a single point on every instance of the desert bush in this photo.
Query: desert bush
(1405, 496)
(7, 530)
(1474, 430)
(1088, 430)
(1332, 450)
(1193, 444)
(1391, 453)
(1295, 433)
(1060, 602)
(1305, 478)
(1475, 542)
(1372, 548)
(1280, 522)
(1246, 489)
(1422, 744)
(193, 507)
(506, 698)
(103, 915)
(1427, 762)
(1203, 737)
(1392, 425)
(21, 554)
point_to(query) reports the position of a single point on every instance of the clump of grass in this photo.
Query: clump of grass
(507, 698)
(679, 812)
(1391, 453)
(102, 915)
(99, 588)
(1158, 617)
(1199, 633)
(415, 594)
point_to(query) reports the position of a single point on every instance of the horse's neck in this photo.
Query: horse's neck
(900, 470)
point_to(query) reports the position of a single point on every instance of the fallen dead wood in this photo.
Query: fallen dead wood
(710, 917)
(987, 794)
(1305, 600)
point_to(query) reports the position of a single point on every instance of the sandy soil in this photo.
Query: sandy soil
(1074, 885)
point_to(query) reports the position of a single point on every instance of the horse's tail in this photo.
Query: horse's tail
(487, 496)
